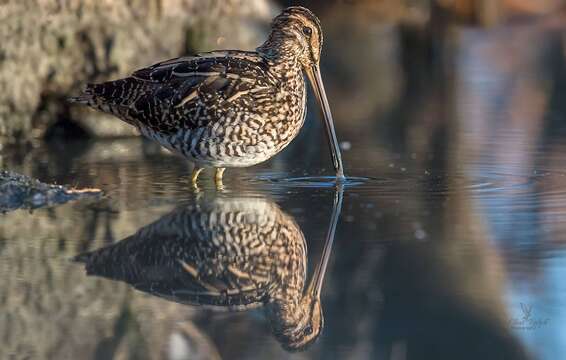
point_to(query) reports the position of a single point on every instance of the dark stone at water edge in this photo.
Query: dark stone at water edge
(22, 192)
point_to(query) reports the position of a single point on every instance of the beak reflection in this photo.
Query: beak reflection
(315, 285)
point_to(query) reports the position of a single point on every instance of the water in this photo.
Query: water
(449, 235)
(437, 262)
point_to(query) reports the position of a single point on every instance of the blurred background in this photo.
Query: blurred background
(454, 248)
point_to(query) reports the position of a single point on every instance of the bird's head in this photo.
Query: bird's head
(300, 29)
(297, 327)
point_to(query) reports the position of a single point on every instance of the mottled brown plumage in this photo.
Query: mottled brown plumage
(226, 108)
(225, 253)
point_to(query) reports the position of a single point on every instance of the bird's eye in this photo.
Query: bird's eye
(307, 31)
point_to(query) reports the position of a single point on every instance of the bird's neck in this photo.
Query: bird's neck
(286, 315)
(282, 53)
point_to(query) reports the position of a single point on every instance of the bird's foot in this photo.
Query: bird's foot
(194, 176)
(218, 178)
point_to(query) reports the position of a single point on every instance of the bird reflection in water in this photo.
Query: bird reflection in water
(230, 253)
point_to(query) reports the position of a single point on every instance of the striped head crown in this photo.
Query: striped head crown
(300, 30)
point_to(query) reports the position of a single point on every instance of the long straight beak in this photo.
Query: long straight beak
(315, 285)
(315, 79)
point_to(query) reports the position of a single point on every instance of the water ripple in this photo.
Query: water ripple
(314, 181)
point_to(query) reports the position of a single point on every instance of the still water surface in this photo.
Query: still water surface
(461, 261)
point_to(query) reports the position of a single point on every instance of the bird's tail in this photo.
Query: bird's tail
(87, 97)
(100, 97)
(105, 260)
(113, 97)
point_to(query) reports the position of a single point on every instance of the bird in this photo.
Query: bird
(225, 253)
(227, 108)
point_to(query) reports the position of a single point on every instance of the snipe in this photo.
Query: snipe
(237, 253)
(227, 108)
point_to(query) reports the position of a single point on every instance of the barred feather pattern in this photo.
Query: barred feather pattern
(222, 109)
(232, 253)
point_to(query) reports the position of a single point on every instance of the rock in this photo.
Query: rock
(19, 191)
(51, 49)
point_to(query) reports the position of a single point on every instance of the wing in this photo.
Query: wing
(153, 266)
(188, 92)
(177, 259)
(168, 70)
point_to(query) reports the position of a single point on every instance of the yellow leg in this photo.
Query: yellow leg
(218, 177)
(195, 174)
